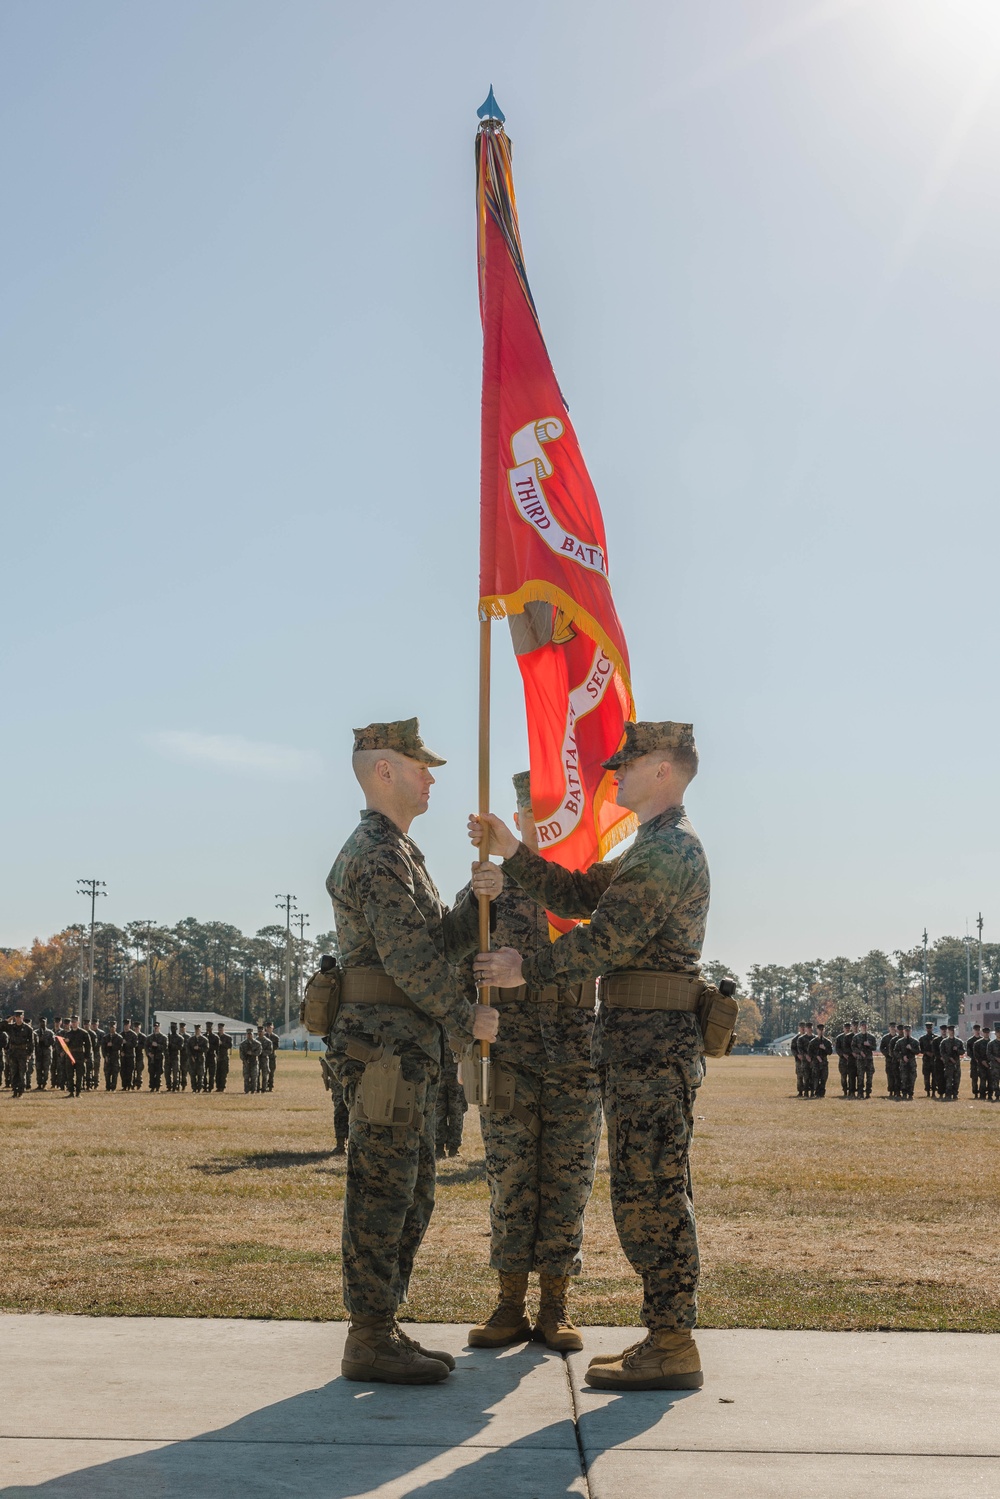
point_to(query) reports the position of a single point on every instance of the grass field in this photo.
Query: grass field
(818, 1214)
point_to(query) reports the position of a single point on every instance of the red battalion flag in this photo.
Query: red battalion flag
(543, 553)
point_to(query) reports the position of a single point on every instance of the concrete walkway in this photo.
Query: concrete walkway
(181, 1409)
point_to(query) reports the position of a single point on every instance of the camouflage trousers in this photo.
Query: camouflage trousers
(340, 1112)
(451, 1107)
(389, 1195)
(540, 1185)
(995, 1079)
(907, 1075)
(650, 1118)
(866, 1074)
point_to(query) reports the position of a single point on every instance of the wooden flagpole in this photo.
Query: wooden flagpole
(484, 847)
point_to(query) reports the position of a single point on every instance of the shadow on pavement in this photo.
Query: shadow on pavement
(346, 1441)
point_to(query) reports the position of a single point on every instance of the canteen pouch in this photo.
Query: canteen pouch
(717, 1017)
(321, 1001)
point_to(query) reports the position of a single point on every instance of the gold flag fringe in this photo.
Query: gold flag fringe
(499, 605)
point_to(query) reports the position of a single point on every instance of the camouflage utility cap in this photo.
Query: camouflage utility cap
(645, 738)
(403, 736)
(522, 790)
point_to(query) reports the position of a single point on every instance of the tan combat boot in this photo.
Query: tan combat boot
(376, 1352)
(665, 1361)
(613, 1358)
(553, 1326)
(508, 1322)
(438, 1353)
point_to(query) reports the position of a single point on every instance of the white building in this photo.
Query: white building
(191, 1018)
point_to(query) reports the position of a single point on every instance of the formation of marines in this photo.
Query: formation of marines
(408, 977)
(936, 1057)
(77, 1057)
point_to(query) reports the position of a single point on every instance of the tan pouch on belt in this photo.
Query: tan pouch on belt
(321, 1001)
(717, 1017)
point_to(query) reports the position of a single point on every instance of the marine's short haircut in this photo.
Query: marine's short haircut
(685, 759)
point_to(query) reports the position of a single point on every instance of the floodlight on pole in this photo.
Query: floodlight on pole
(979, 924)
(925, 982)
(93, 888)
(286, 903)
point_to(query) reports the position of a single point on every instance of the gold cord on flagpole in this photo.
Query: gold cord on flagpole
(485, 626)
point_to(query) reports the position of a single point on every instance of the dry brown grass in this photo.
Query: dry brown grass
(811, 1214)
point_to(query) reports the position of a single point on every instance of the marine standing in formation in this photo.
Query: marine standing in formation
(400, 997)
(820, 1052)
(645, 912)
(541, 1133)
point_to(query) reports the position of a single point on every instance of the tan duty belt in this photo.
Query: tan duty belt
(652, 991)
(373, 986)
(577, 996)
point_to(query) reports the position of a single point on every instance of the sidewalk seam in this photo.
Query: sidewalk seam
(580, 1450)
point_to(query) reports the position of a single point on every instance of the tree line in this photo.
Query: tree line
(876, 988)
(212, 965)
(194, 965)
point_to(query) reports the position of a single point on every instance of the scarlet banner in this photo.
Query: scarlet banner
(543, 551)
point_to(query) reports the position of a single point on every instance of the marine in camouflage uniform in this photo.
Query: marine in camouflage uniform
(885, 1046)
(993, 1059)
(905, 1053)
(951, 1051)
(820, 1051)
(647, 910)
(982, 1055)
(926, 1043)
(863, 1048)
(20, 1051)
(793, 1051)
(400, 994)
(541, 1154)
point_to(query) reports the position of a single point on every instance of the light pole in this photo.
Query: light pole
(285, 903)
(979, 924)
(925, 982)
(148, 926)
(93, 888)
(968, 963)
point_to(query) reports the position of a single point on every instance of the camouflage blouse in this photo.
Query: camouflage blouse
(647, 911)
(532, 1034)
(389, 915)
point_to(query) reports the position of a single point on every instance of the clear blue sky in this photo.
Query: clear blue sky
(239, 399)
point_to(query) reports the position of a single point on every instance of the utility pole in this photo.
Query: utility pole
(979, 924)
(968, 963)
(79, 929)
(93, 888)
(925, 982)
(303, 921)
(285, 903)
(148, 925)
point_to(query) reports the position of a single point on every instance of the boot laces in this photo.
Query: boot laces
(505, 1311)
